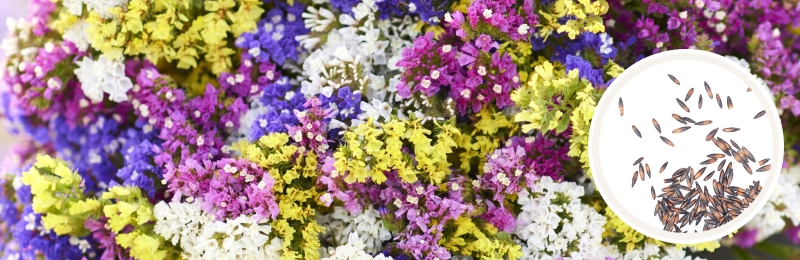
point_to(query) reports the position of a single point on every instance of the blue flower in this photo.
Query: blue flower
(585, 70)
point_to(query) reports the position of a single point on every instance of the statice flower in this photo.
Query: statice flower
(139, 149)
(275, 38)
(784, 203)
(279, 100)
(103, 76)
(354, 249)
(498, 15)
(102, 7)
(77, 35)
(367, 224)
(428, 11)
(585, 70)
(554, 222)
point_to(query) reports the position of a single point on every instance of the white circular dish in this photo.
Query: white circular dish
(648, 93)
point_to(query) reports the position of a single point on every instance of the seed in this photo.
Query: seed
(704, 122)
(636, 130)
(734, 144)
(719, 101)
(730, 103)
(760, 114)
(748, 154)
(708, 89)
(709, 176)
(681, 129)
(762, 162)
(679, 118)
(699, 173)
(737, 156)
(667, 141)
(716, 155)
(764, 168)
(674, 79)
(653, 192)
(722, 164)
(709, 161)
(635, 176)
(711, 134)
(688, 120)
(700, 101)
(641, 171)
(647, 167)
(685, 108)
(749, 89)
(731, 129)
(747, 168)
(621, 107)
(689, 94)
(664, 167)
(638, 161)
(655, 124)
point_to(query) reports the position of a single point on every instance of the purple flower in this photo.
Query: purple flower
(745, 238)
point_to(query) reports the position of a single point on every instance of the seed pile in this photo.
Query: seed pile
(685, 198)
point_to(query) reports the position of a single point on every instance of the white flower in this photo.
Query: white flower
(523, 29)
(103, 75)
(354, 249)
(487, 13)
(77, 34)
(608, 42)
(683, 15)
(448, 18)
(367, 224)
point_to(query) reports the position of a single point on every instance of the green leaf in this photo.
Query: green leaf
(546, 119)
(778, 250)
(564, 122)
(741, 254)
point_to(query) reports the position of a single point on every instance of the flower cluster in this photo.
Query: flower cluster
(349, 129)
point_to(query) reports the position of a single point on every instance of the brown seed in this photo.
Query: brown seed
(653, 192)
(681, 129)
(621, 107)
(667, 141)
(760, 114)
(635, 176)
(722, 164)
(647, 167)
(748, 154)
(674, 79)
(664, 167)
(764, 168)
(719, 101)
(708, 89)
(688, 120)
(704, 122)
(699, 173)
(638, 161)
(747, 168)
(749, 89)
(730, 103)
(636, 130)
(762, 162)
(689, 94)
(731, 129)
(641, 171)
(716, 155)
(700, 101)
(709, 176)
(709, 161)
(711, 134)
(737, 156)
(656, 125)
(685, 108)
(679, 118)
(734, 144)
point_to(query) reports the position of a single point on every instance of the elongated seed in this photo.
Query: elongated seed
(731, 129)
(647, 167)
(764, 168)
(700, 101)
(760, 114)
(716, 155)
(664, 167)
(635, 176)
(749, 89)
(656, 125)
(641, 171)
(704, 122)
(708, 89)
(667, 141)
(722, 164)
(734, 144)
(636, 130)
(674, 79)
(730, 103)
(748, 154)
(711, 134)
(688, 120)
(685, 108)
(709, 161)
(709, 176)
(689, 94)
(638, 161)
(719, 101)
(681, 129)
(653, 192)
(699, 173)
(621, 107)
(679, 118)
(762, 162)
(747, 167)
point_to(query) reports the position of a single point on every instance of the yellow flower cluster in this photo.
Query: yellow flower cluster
(369, 151)
(295, 171)
(631, 238)
(194, 35)
(58, 195)
(484, 242)
(585, 16)
(487, 135)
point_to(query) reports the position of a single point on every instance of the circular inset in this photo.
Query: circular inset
(686, 146)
